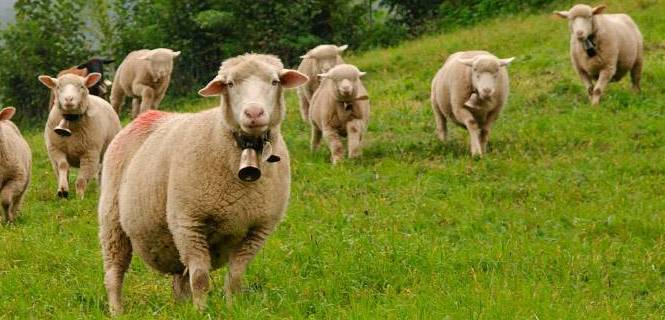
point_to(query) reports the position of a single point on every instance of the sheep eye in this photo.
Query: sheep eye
(229, 84)
(275, 82)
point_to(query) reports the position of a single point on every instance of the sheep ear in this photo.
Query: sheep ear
(292, 78)
(598, 9)
(322, 76)
(505, 62)
(48, 81)
(361, 74)
(82, 66)
(107, 61)
(7, 113)
(92, 78)
(341, 49)
(562, 14)
(175, 54)
(467, 62)
(214, 88)
(306, 56)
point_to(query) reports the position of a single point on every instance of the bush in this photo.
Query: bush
(43, 40)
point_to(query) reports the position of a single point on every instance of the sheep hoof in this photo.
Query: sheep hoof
(63, 194)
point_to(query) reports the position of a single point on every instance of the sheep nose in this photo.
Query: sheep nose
(254, 112)
(69, 99)
(487, 91)
(579, 34)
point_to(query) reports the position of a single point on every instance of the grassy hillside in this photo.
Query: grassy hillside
(564, 218)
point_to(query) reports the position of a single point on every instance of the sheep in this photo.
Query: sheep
(93, 125)
(144, 76)
(470, 89)
(603, 48)
(314, 62)
(15, 165)
(340, 108)
(170, 192)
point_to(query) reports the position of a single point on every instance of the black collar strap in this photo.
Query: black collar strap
(72, 117)
(590, 46)
(257, 143)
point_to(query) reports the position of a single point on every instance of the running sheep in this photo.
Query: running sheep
(79, 128)
(316, 61)
(470, 89)
(340, 108)
(603, 48)
(144, 76)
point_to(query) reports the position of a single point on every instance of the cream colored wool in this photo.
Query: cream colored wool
(170, 189)
(340, 108)
(144, 76)
(316, 61)
(470, 89)
(91, 134)
(619, 46)
(15, 165)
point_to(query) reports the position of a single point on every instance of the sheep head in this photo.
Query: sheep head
(325, 56)
(345, 79)
(71, 91)
(161, 62)
(250, 87)
(484, 73)
(580, 20)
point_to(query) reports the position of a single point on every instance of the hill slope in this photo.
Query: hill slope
(564, 218)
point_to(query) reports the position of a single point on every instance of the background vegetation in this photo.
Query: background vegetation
(563, 219)
(51, 35)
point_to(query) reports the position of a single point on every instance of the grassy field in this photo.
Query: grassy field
(563, 219)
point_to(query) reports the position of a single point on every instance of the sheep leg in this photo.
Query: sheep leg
(61, 167)
(136, 106)
(334, 143)
(315, 141)
(147, 99)
(89, 168)
(6, 202)
(194, 254)
(355, 130)
(117, 98)
(181, 289)
(465, 117)
(304, 105)
(603, 79)
(636, 75)
(240, 258)
(117, 254)
(441, 123)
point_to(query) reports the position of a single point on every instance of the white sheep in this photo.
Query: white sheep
(171, 191)
(15, 165)
(316, 61)
(470, 89)
(603, 48)
(340, 108)
(91, 124)
(144, 76)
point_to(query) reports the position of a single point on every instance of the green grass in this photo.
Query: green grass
(563, 219)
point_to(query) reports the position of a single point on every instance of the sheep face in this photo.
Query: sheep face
(580, 20)
(71, 91)
(325, 56)
(251, 94)
(161, 62)
(484, 73)
(345, 78)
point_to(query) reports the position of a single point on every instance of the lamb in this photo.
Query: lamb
(470, 89)
(170, 188)
(91, 123)
(144, 76)
(316, 61)
(340, 108)
(603, 48)
(15, 165)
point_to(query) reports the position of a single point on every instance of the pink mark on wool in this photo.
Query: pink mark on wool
(146, 120)
(135, 132)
